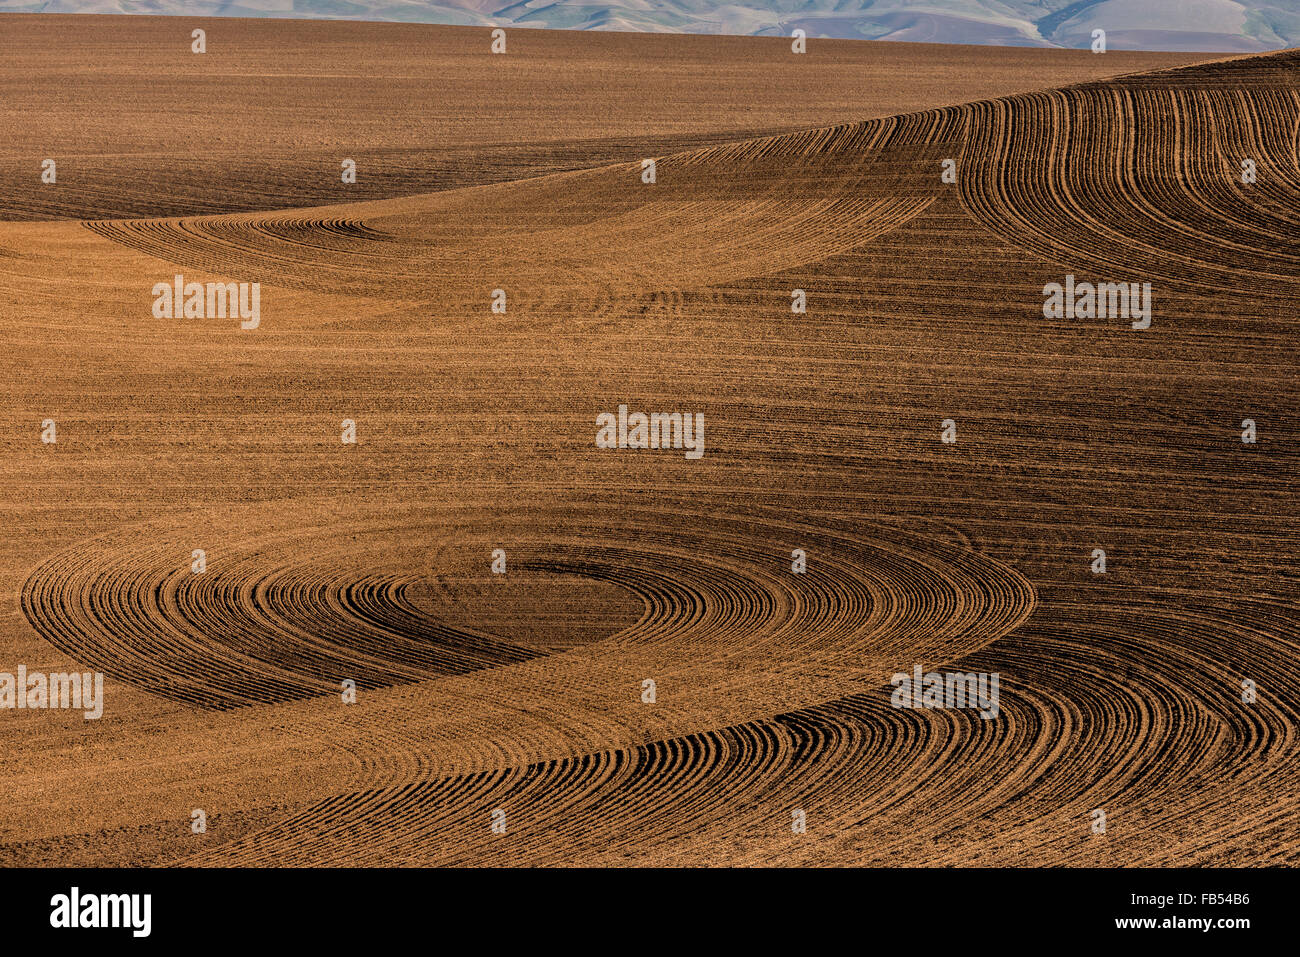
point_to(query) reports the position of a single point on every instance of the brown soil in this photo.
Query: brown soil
(475, 431)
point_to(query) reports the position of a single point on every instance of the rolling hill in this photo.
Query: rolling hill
(518, 684)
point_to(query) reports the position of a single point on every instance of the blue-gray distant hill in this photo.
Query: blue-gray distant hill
(1210, 25)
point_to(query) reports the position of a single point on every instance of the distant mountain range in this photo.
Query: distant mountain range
(1210, 25)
